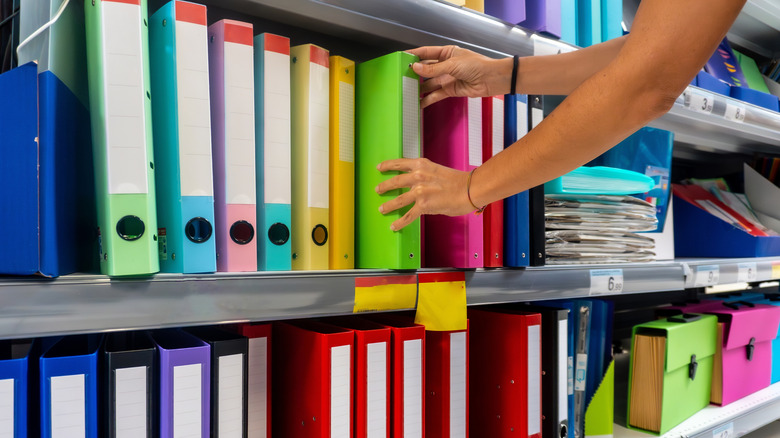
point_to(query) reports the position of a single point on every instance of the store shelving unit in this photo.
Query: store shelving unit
(32, 307)
(758, 27)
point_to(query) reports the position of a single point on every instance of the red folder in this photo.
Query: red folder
(258, 378)
(447, 385)
(407, 347)
(313, 368)
(693, 193)
(371, 376)
(454, 139)
(493, 216)
(506, 364)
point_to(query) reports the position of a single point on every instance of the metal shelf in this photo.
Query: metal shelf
(739, 418)
(729, 271)
(758, 28)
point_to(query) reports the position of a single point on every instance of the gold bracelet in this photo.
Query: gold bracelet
(478, 210)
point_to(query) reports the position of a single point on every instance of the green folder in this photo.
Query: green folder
(751, 72)
(120, 110)
(688, 363)
(388, 127)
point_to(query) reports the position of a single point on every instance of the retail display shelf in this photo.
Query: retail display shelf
(758, 28)
(713, 272)
(734, 420)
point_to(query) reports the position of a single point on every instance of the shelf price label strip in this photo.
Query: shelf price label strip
(606, 281)
(374, 294)
(699, 101)
(706, 275)
(441, 304)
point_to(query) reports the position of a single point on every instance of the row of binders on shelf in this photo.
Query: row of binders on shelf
(734, 74)
(505, 375)
(579, 22)
(708, 351)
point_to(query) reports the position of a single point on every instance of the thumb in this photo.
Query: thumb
(435, 69)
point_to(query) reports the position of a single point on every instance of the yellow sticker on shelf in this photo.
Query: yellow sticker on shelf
(775, 271)
(374, 294)
(441, 303)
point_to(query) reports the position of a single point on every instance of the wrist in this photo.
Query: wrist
(474, 202)
(502, 75)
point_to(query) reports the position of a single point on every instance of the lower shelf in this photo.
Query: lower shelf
(734, 420)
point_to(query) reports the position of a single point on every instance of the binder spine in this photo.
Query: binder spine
(120, 107)
(493, 216)
(516, 218)
(273, 156)
(232, 91)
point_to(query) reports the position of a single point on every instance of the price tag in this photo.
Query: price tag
(735, 112)
(606, 281)
(374, 294)
(725, 431)
(706, 275)
(700, 101)
(775, 271)
(747, 272)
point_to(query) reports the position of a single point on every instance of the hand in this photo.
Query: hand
(433, 188)
(456, 72)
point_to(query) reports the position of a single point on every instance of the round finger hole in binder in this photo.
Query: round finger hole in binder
(242, 232)
(278, 234)
(319, 235)
(198, 230)
(130, 228)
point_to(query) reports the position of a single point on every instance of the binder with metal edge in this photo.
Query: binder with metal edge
(342, 163)
(536, 224)
(446, 384)
(272, 139)
(493, 216)
(259, 383)
(516, 226)
(128, 365)
(182, 132)
(309, 73)
(388, 127)
(120, 108)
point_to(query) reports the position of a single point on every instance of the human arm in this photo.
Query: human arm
(655, 64)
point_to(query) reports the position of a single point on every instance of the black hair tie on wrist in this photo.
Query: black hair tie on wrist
(513, 85)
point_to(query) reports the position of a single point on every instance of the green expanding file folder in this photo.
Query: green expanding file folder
(120, 107)
(388, 127)
(690, 343)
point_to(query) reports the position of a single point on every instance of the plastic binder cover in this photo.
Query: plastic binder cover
(313, 393)
(14, 358)
(184, 384)
(371, 377)
(447, 384)
(128, 367)
(536, 223)
(686, 371)
(510, 11)
(68, 383)
(454, 139)
(310, 202)
(493, 216)
(231, 81)
(272, 139)
(259, 381)
(407, 378)
(120, 108)
(516, 213)
(342, 163)
(228, 380)
(544, 16)
(506, 373)
(182, 133)
(388, 127)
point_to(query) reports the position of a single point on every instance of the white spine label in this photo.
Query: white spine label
(411, 117)
(277, 173)
(340, 391)
(319, 140)
(475, 131)
(413, 392)
(458, 376)
(239, 124)
(346, 122)
(68, 406)
(130, 405)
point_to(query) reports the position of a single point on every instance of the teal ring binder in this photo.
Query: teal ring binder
(278, 234)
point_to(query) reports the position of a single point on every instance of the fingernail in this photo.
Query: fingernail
(376, 189)
(381, 209)
(392, 228)
(378, 165)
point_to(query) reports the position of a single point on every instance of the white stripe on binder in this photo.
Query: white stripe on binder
(498, 126)
(318, 142)
(187, 394)
(257, 391)
(277, 175)
(522, 119)
(376, 390)
(231, 396)
(346, 122)
(239, 124)
(130, 402)
(458, 378)
(68, 407)
(124, 96)
(474, 115)
(413, 392)
(7, 408)
(192, 95)
(411, 118)
(340, 391)
(536, 117)
(563, 348)
(534, 379)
